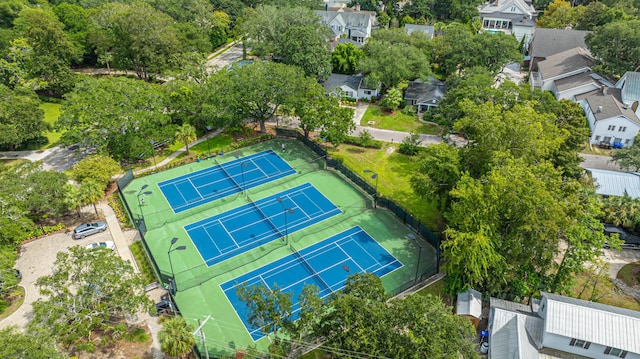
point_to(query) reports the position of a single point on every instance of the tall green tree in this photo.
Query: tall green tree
(269, 308)
(33, 344)
(21, 118)
(91, 193)
(439, 173)
(186, 134)
(137, 36)
(88, 290)
(116, 117)
(616, 47)
(176, 338)
(345, 57)
(96, 168)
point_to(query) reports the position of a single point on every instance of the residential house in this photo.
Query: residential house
(517, 17)
(561, 327)
(611, 122)
(427, 30)
(349, 23)
(425, 95)
(629, 83)
(352, 86)
(548, 42)
(566, 74)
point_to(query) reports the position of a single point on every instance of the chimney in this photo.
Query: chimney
(357, 7)
(599, 109)
(603, 89)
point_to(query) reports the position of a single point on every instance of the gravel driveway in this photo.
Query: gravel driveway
(36, 260)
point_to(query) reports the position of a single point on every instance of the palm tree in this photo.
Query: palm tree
(176, 338)
(186, 134)
(74, 198)
(91, 193)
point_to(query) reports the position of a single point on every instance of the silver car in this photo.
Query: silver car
(88, 229)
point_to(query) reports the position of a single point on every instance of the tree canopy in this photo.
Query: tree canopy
(616, 46)
(21, 118)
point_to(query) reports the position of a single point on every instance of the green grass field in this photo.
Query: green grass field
(51, 114)
(199, 293)
(397, 122)
(394, 172)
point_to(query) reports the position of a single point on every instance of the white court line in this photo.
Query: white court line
(227, 231)
(212, 241)
(196, 189)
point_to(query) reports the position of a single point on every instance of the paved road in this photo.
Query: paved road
(599, 162)
(230, 56)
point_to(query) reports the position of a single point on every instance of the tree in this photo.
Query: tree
(360, 319)
(91, 193)
(345, 57)
(96, 168)
(53, 51)
(176, 338)
(33, 345)
(628, 158)
(559, 15)
(89, 290)
(186, 134)
(314, 108)
(392, 99)
(410, 144)
(291, 35)
(337, 125)
(138, 37)
(21, 118)
(438, 174)
(597, 14)
(116, 117)
(254, 92)
(269, 308)
(616, 47)
(42, 192)
(392, 56)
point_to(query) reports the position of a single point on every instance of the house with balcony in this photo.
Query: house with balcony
(517, 17)
(346, 23)
(562, 327)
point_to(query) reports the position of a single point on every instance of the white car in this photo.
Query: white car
(105, 244)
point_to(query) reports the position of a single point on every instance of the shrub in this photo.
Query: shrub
(44, 230)
(143, 263)
(357, 141)
(118, 208)
(410, 146)
(410, 110)
(137, 335)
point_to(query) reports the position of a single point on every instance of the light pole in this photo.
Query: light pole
(140, 193)
(285, 210)
(172, 283)
(374, 176)
(412, 236)
(242, 166)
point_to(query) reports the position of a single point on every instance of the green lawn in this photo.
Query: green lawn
(51, 114)
(394, 172)
(397, 122)
(626, 274)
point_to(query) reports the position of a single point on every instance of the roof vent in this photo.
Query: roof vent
(599, 109)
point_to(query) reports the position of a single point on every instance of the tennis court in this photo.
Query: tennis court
(326, 264)
(244, 228)
(194, 189)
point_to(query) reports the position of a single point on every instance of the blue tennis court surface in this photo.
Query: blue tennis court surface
(326, 264)
(215, 182)
(241, 229)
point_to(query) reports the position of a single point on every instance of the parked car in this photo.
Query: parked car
(87, 229)
(105, 244)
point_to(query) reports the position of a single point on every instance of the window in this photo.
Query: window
(611, 128)
(615, 352)
(367, 92)
(513, 9)
(580, 343)
(622, 128)
(626, 142)
(597, 138)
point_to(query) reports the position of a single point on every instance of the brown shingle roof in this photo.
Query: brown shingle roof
(565, 62)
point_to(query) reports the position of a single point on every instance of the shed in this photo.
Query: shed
(469, 305)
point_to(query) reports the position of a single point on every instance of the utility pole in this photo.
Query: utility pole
(204, 343)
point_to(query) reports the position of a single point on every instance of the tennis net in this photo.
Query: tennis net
(311, 270)
(264, 216)
(228, 175)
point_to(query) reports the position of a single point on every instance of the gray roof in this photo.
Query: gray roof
(344, 40)
(469, 302)
(548, 42)
(594, 322)
(613, 183)
(428, 30)
(431, 90)
(503, 5)
(565, 62)
(516, 19)
(631, 85)
(339, 80)
(574, 81)
(512, 306)
(607, 104)
(356, 19)
(515, 335)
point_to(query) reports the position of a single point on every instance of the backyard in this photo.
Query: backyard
(377, 118)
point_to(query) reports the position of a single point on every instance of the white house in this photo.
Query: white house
(567, 74)
(425, 29)
(517, 17)
(610, 120)
(354, 25)
(561, 327)
(351, 86)
(629, 83)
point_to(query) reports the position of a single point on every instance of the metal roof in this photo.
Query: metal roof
(469, 303)
(514, 335)
(426, 29)
(594, 322)
(631, 86)
(613, 183)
